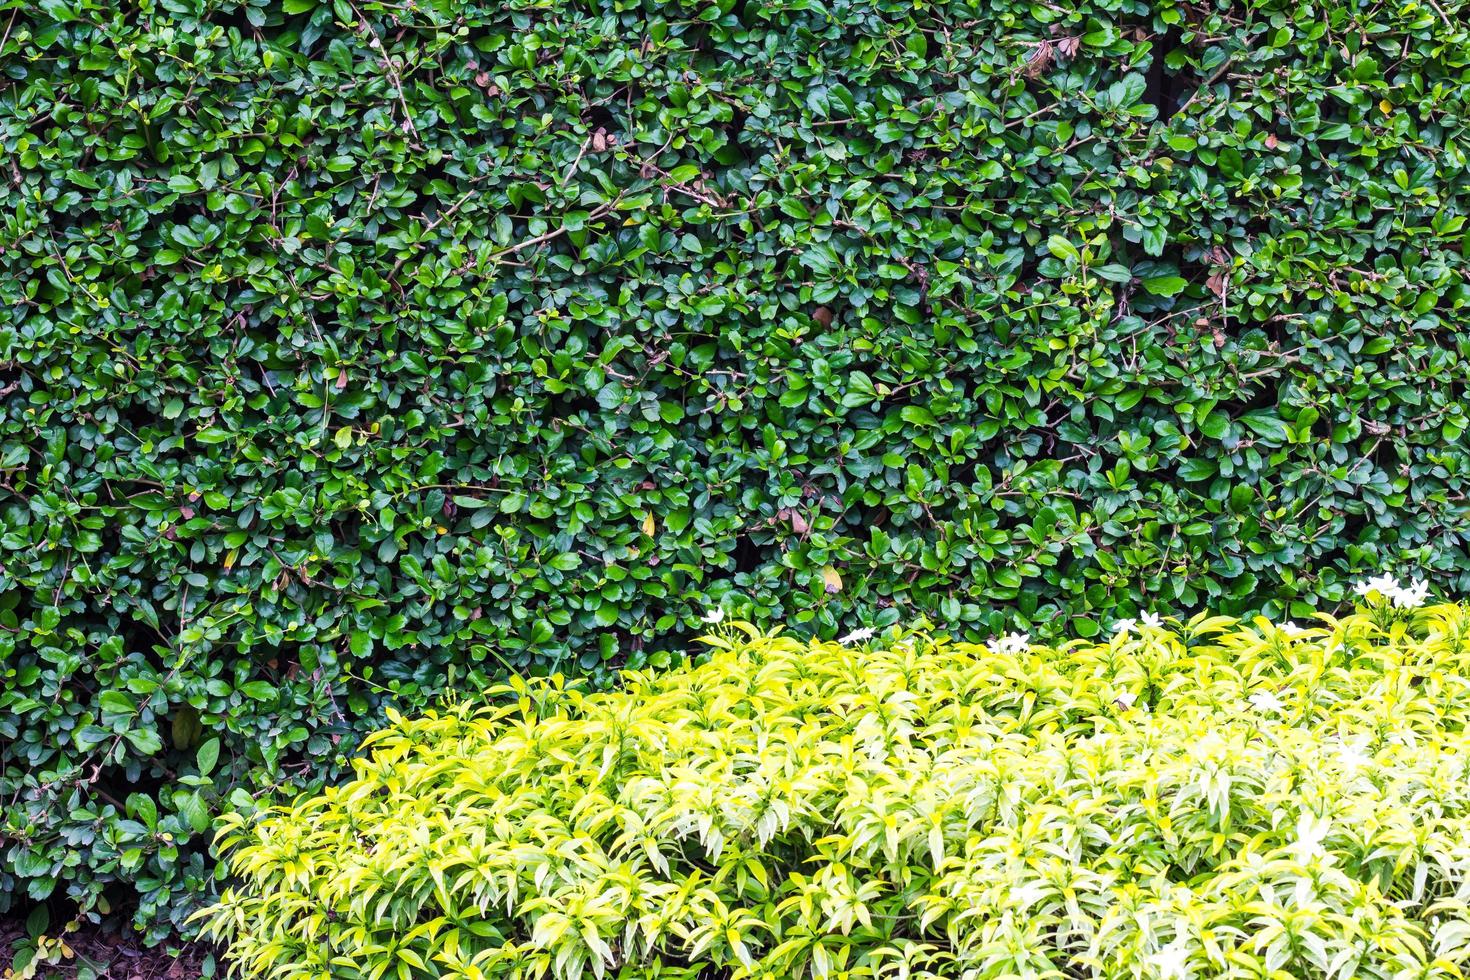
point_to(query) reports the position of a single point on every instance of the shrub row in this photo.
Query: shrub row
(354, 351)
(1212, 798)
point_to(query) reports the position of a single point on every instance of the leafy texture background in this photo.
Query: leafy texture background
(355, 351)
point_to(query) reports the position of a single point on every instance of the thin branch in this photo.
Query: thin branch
(1215, 77)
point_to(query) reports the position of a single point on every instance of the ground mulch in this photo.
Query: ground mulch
(108, 955)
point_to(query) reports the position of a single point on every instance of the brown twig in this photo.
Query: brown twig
(377, 45)
(1215, 77)
(558, 232)
(573, 168)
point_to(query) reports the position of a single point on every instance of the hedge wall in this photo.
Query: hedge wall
(355, 351)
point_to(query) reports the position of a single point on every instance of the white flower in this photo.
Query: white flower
(1125, 700)
(1010, 643)
(1350, 755)
(1152, 620)
(714, 617)
(1311, 831)
(1411, 597)
(1124, 626)
(1385, 585)
(858, 635)
(1291, 629)
(1265, 701)
(1172, 961)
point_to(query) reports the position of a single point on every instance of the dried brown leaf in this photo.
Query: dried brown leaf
(1039, 60)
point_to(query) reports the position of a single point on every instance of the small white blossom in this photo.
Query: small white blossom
(1292, 629)
(1152, 620)
(714, 617)
(1385, 585)
(1265, 701)
(1010, 643)
(1350, 755)
(858, 635)
(1412, 596)
(1311, 831)
(1125, 700)
(1171, 962)
(1124, 626)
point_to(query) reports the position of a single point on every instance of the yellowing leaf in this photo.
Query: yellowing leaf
(648, 524)
(832, 579)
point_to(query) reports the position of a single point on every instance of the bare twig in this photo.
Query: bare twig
(1215, 77)
(376, 43)
(601, 211)
(573, 168)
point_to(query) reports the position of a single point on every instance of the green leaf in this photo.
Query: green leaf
(192, 808)
(1165, 285)
(917, 415)
(1215, 425)
(1268, 426)
(117, 702)
(207, 756)
(258, 690)
(144, 741)
(1063, 249)
(1195, 469)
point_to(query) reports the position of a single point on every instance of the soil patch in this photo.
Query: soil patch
(99, 954)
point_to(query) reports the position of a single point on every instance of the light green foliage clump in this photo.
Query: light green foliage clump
(1217, 797)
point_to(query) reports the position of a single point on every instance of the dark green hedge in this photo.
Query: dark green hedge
(353, 351)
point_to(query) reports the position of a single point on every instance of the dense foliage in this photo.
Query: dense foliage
(1220, 798)
(351, 351)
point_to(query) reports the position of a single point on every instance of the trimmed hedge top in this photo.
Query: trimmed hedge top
(354, 350)
(1208, 799)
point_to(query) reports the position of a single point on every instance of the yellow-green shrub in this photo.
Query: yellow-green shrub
(1211, 798)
